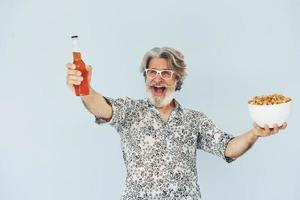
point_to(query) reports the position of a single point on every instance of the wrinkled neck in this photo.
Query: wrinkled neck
(167, 108)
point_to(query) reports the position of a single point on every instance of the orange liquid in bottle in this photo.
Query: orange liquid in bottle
(83, 88)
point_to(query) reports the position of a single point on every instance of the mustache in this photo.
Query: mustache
(159, 85)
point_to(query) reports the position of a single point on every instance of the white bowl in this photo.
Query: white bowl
(270, 114)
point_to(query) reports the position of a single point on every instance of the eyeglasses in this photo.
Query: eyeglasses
(165, 74)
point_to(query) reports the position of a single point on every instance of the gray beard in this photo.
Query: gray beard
(161, 101)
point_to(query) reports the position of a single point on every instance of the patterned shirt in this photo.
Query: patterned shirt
(160, 157)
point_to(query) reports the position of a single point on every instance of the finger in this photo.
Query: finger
(284, 125)
(72, 88)
(74, 78)
(74, 72)
(267, 129)
(73, 82)
(70, 66)
(275, 128)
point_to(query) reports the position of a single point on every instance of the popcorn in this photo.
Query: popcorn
(271, 99)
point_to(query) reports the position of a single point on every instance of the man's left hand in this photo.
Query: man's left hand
(267, 131)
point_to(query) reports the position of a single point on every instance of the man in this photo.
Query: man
(159, 137)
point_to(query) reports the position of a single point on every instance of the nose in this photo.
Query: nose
(157, 78)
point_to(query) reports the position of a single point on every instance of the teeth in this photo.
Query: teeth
(159, 86)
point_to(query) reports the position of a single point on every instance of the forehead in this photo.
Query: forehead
(159, 63)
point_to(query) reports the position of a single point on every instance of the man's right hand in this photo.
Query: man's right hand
(74, 76)
(94, 102)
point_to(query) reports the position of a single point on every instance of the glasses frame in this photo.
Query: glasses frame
(159, 72)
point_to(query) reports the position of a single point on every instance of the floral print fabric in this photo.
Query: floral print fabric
(160, 157)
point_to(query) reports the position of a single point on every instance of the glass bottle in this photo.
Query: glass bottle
(83, 88)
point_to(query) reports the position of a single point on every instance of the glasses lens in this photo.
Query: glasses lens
(151, 73)
(166, 74)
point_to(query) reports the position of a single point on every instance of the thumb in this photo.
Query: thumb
(255, 125)
(88, 68)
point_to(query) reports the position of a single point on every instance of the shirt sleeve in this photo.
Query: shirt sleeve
(120, 108)
(213, 140)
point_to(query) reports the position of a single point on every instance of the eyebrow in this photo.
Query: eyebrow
(159, 69)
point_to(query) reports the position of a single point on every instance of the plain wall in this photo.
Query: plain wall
(50, 147)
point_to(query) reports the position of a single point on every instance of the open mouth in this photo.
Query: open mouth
(158, 90)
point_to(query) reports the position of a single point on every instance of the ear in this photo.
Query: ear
(177, 79)
(176, 82)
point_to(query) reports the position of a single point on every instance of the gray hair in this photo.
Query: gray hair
(174, 58)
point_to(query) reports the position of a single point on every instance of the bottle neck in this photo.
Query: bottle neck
(76, 49)
(75, 42)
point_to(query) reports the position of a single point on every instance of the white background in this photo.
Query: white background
(50, 147)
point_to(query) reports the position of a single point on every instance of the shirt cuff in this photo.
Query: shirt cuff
(228, 159)
(100, 120)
